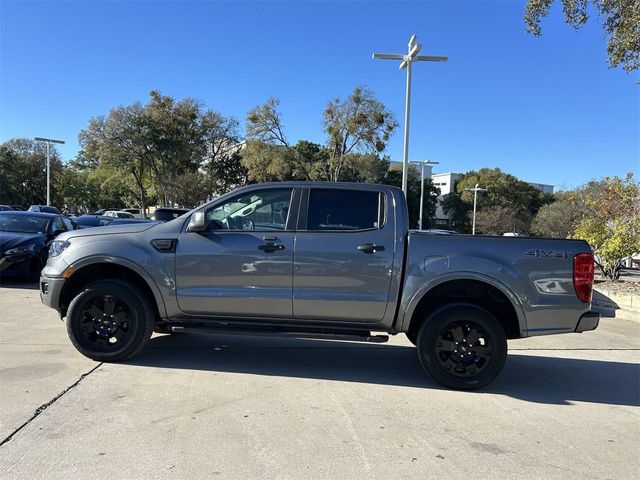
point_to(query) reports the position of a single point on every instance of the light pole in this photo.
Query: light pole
(475, 191)
(413, 48)
(49, 142)
(422, 163)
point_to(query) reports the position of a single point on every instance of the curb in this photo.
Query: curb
(624, 301)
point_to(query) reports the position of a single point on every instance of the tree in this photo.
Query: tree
(172, 132)
(620, 22)
(268, 155)
(222, 158)
(498, 220)
(23, 173)
(611, 223)
(557, 219)
(189, 189)
(120, 141)
(156, 143)
(358, 123)
(458, 212)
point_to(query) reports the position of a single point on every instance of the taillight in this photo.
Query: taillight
(583, 275)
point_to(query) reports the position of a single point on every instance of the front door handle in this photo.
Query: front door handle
(370, 248)
(269, 245)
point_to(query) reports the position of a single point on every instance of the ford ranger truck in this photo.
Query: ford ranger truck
(321, 260)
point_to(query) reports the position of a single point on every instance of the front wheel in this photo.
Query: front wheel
(462, 346)
(110, 320)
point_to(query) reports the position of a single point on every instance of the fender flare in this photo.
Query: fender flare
(123, 262)
(407, 313)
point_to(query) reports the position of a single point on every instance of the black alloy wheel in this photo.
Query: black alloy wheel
(462, 346)
(110, 320)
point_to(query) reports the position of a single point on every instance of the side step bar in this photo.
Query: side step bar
(357, 336)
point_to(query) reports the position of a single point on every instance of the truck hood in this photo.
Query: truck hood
(108, 230)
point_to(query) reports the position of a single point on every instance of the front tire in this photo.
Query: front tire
(110, 320)
(462, 346)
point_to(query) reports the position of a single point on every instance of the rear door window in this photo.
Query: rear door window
(344, 210)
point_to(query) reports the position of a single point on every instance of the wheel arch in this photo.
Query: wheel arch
(103, 268)
(475, 289)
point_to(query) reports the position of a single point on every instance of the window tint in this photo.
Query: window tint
(57, 224)
(343, 210)
(261, 210)
(67, 223)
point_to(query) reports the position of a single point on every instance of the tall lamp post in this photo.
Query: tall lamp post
(475, 191)
(413, 48)
(49, 142)
(422, 164)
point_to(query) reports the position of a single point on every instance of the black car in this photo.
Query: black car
(164, 214)
(90, 221)
(24, 241)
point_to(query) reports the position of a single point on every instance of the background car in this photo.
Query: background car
(91, 221)
(5, 208)
(24, 241)
(43, 209)
(164, 214)
(118, 214)
(133, 211)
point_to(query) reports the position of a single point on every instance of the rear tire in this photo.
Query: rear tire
(462, 346)
(110, 320)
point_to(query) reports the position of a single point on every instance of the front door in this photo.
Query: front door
(242, 264)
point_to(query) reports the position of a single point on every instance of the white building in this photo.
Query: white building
(446, 182)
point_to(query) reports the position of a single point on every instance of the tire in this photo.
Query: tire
(110, 320)
(479, 354)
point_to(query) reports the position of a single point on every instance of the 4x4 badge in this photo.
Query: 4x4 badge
(546, 253)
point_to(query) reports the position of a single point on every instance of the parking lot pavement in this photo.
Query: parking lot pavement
(241, 407)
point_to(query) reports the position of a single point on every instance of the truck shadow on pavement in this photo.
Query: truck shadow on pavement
(540, 379)
(9, 282)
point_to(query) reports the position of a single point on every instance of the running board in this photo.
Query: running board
(365, 336)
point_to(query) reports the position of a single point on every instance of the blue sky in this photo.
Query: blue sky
(545, 109)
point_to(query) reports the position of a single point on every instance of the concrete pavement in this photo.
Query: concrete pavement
(565, 406)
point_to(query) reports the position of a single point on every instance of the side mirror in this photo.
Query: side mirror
(197, 223)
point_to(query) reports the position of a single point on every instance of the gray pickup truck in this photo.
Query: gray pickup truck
(322, 260)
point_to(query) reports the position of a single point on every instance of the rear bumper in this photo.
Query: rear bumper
(588, 321)
(50, 289)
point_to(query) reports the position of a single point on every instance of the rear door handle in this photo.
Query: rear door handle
(370, 248)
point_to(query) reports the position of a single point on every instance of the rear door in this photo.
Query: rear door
(344, 255)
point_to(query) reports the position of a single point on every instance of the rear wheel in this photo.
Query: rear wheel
(110, 320)
(462, 346)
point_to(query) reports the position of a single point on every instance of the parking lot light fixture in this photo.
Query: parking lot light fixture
(422, 164)
(475, 191)
(49, 142)
(413, 48)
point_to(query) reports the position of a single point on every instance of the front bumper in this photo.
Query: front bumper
(588, 321)
(50, 290)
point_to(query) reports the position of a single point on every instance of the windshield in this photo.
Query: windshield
(23, 223)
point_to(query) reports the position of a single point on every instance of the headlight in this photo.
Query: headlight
(57, 247)
(20, 250)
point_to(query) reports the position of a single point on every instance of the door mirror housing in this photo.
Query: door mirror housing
(197, 223)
